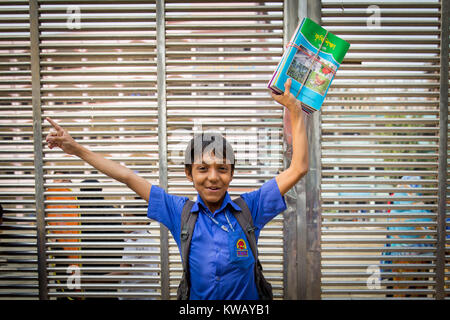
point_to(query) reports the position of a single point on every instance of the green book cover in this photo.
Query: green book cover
(311, 59)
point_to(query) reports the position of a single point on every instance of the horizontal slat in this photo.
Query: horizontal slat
(87, 254)
(381, 283)
(388, 224)
(375, 181)
(327, 207)
(346, 11)
(171, 45)
(148, 47)
(384, 173)
(409, 138)
(408, 249)
(219, 16)
(105, 35)
(136, 19)
(393, 266)
(66, 261)
(386, 21)
(383, 274)
(381, 4)
(220, 7)
(354, 241)
(348, 291)
(368, 215)
(218, 26)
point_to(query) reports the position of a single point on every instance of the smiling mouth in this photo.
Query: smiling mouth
(213, 188)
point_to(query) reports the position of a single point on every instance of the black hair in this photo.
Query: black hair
(208, 142)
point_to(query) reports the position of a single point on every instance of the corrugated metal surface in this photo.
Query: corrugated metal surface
(100, 79)
(219, 59)
(380, 141)
(18, 260)
(98, 75)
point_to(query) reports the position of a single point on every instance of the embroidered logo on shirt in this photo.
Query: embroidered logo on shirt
(241, 248)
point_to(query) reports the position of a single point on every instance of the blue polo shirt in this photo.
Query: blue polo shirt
(213, 277)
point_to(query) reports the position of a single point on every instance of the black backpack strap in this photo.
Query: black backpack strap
(188, 221)
(245, 220)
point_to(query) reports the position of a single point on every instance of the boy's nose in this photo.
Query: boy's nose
(213, 175)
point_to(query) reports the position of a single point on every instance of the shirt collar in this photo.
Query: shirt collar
(226, 201)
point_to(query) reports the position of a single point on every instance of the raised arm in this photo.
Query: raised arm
(59, 137)
(299, 164)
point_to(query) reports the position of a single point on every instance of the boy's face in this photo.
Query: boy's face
(211, 179)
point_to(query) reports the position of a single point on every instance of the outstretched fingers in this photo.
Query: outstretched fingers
(54, 125)
(53, 137)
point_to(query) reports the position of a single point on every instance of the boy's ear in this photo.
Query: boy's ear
(188, 174)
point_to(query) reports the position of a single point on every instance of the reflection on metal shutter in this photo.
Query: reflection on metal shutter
(18, 260)
(380, 143)
(98, 76)
(219, 59)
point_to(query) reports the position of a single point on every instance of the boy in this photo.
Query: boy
(214, 272)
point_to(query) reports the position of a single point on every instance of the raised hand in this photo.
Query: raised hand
(287, 99)
(300, 159)
(59, 137)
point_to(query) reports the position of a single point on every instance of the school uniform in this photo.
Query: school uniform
(221, 262)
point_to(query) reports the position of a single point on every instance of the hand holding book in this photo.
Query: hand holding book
(288, 100)
(298, 139)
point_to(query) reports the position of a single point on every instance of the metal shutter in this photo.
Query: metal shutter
(219, 58)
(444, 192)
(18, 260)
(135, 79)
(102, 70)
(380, 123)
(99, 81)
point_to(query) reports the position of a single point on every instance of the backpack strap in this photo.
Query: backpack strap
(188, 220)
(245, 220)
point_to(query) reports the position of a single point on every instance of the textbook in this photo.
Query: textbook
(311, 59)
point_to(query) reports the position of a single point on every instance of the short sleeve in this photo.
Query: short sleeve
(166, 209)
(265, 203)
